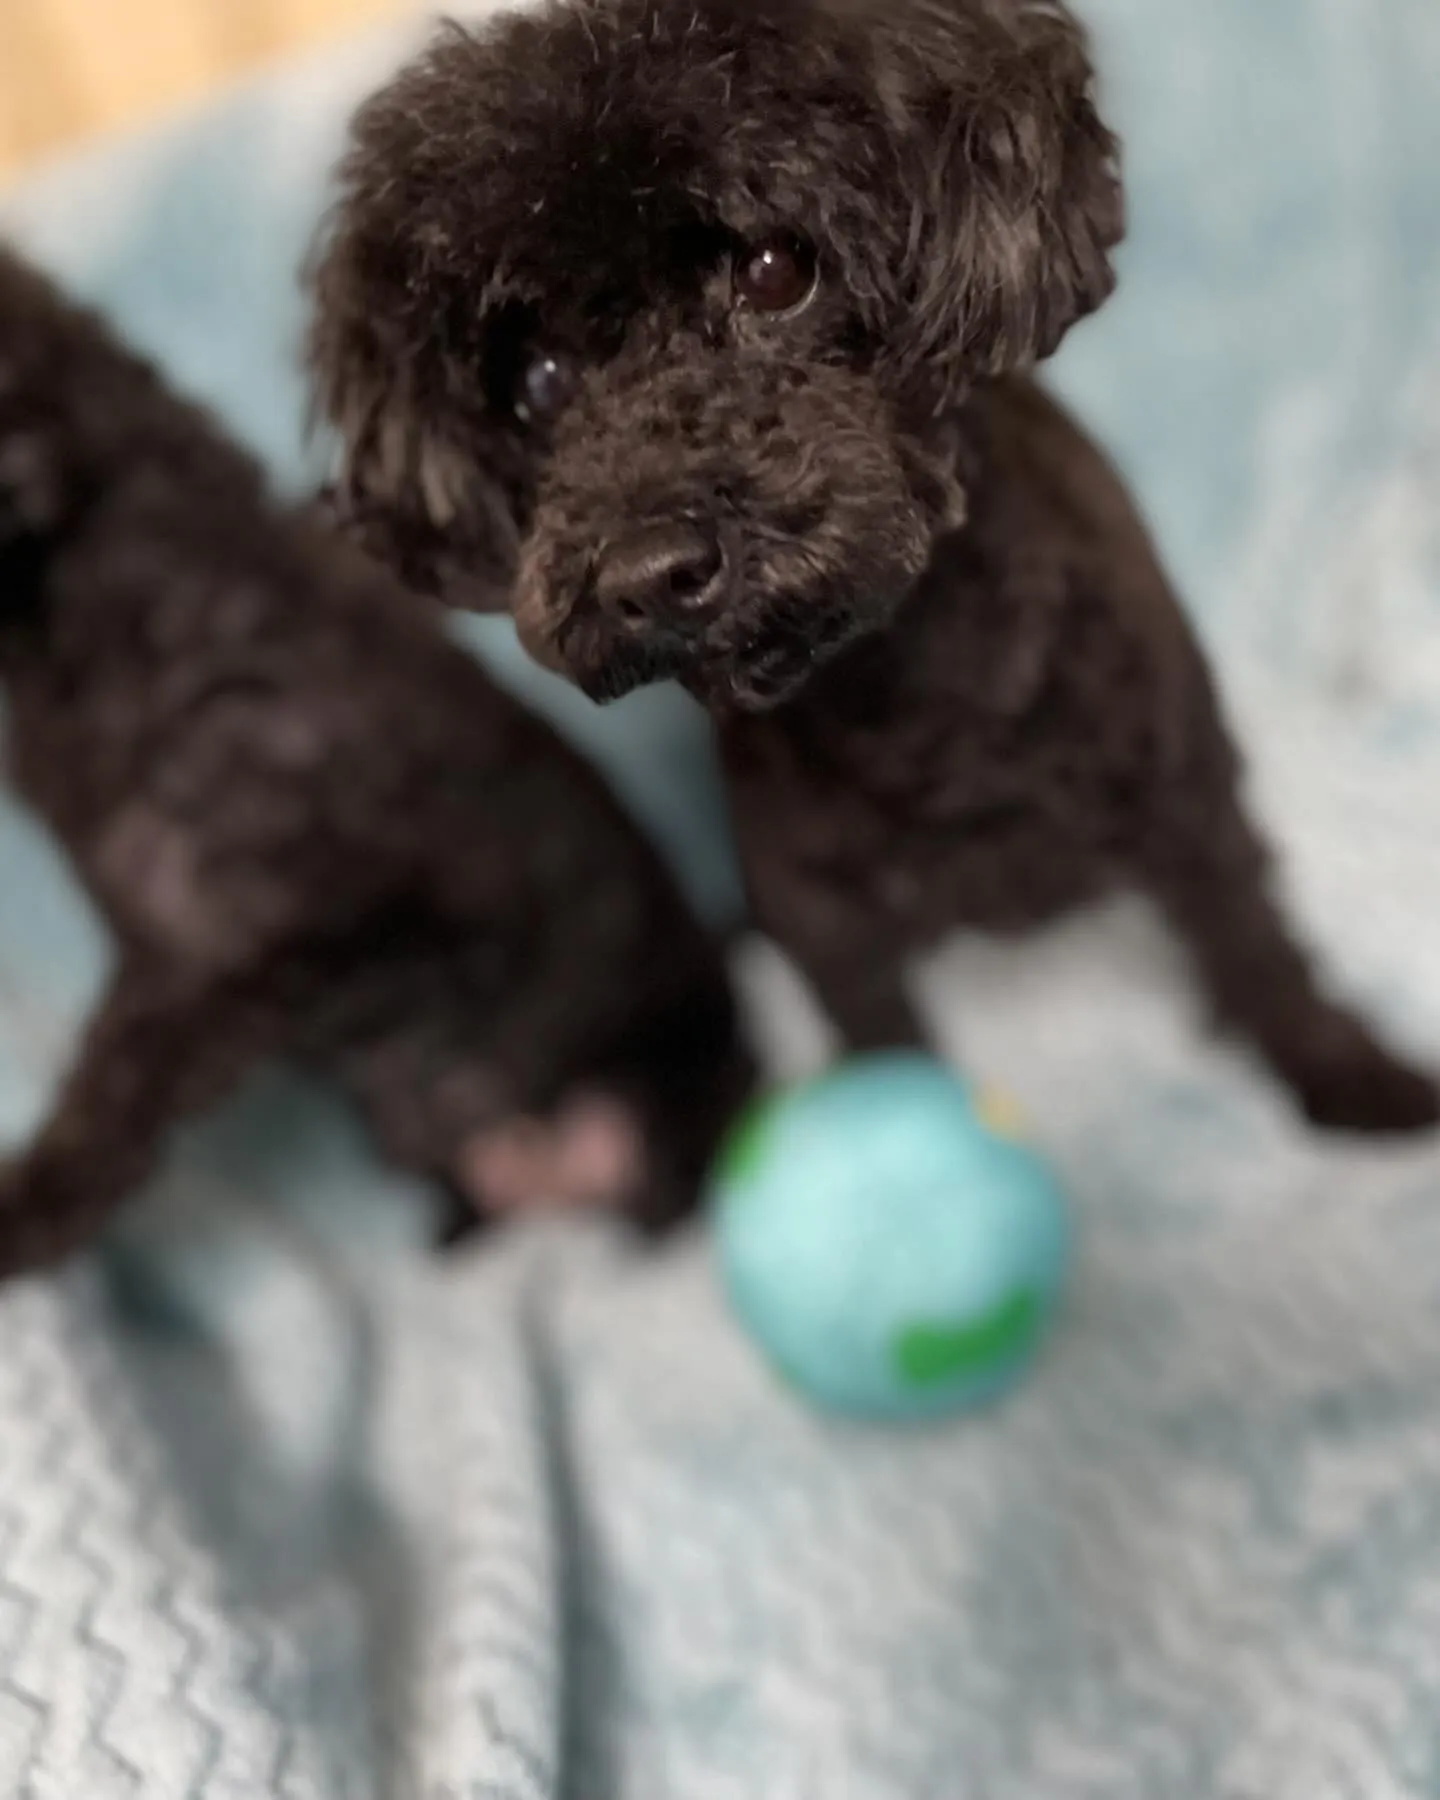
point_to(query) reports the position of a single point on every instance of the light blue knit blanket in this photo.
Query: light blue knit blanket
(286, 1509)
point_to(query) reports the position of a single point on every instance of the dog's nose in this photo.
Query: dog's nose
(666, 575)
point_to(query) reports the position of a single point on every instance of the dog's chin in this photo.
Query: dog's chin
(764, 683)
(607, 674)
(769, 665)
(725, 684)
(778, 661)
(607, 682)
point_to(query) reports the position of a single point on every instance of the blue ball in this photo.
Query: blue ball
(887, 1240)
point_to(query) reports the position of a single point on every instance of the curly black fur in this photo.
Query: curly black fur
(316, 827)
(952, 682)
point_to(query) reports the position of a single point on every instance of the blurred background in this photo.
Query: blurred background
(70, 69)
(547, 1493)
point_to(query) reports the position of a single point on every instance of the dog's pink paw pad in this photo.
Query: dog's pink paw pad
(589, 1155)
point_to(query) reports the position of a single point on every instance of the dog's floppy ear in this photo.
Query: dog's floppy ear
(1015, 186)
(420, 484)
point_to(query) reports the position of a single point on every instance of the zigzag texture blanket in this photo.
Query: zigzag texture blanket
(286, 1510)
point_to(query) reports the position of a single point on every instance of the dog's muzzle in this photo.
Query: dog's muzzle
(671, 580)
(653, 600)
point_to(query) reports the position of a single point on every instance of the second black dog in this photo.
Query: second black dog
(318, 831)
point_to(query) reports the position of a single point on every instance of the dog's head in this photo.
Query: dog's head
(645, 316)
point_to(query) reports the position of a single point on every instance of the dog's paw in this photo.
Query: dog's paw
(588, 1155)
(1369, 1091)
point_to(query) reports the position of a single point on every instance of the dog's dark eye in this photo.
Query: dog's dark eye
(547, 386)
(777, 275)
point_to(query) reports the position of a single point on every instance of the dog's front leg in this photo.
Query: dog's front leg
(160, 1046)
(866, 999)
(853, 959)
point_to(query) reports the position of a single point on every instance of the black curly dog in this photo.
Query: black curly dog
(318, 831)
(699, 332)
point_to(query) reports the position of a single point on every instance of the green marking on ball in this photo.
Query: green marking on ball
(926, 1355)
(747, 1145)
